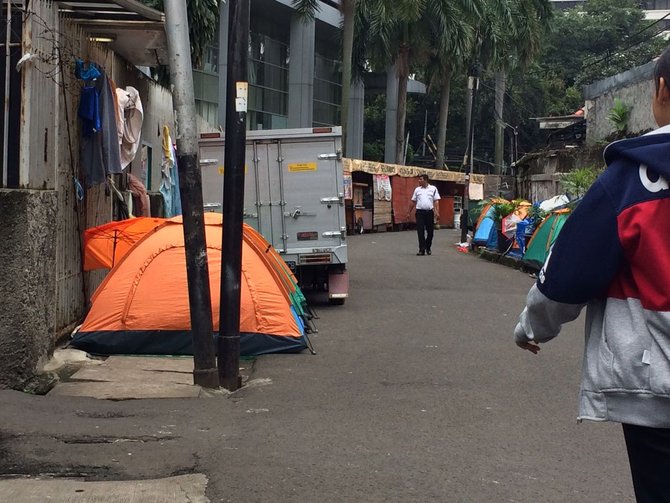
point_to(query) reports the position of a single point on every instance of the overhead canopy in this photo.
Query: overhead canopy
(133, 30)
(381, 168)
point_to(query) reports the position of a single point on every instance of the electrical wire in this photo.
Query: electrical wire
(647, 39)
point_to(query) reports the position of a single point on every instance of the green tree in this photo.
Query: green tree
(599, 39)
(519, 42)
(407, 34)
(452, 38)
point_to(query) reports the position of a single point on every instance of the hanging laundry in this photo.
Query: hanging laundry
(170, 176)
(130, 116)
(99, 149)
(86, 71)
(89, 110)
(141, 202)
(123, 212)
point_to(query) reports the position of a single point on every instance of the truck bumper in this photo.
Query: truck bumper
(338, 284)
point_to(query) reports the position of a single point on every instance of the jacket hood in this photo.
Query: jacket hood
(652, 150)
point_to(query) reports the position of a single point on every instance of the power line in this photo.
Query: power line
(608, 55)
(511, 97)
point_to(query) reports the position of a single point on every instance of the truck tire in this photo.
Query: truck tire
(359, 226)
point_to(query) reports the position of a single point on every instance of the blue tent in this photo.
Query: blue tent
(485, 228)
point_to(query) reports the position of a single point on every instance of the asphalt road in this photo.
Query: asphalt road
(417, 394)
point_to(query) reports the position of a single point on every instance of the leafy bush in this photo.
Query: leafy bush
(502, 208)
(619, 116)
(578, 181)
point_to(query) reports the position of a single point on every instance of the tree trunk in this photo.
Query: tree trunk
(403, 76)
(348, 12)
(442, 122)
(501, 85)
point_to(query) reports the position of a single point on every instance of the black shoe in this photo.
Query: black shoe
(421, 253)
(428, 252)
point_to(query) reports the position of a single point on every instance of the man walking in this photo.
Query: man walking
(425, 200)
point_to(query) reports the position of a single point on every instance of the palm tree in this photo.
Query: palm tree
(410, 34)
(308, 9)
(452, 36)
(517, 42)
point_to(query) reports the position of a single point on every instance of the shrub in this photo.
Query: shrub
(619, 116)
(578, 181)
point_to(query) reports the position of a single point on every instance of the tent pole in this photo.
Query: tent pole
(114, 249)
(190, 185)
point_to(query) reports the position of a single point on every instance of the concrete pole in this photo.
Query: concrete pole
(473, 87)
(190, 186)
(301, 72)
(501, 84)
(391, 114)
(356, 117)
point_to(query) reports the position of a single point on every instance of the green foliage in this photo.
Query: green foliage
(306, 8)
(599, 39)
(203, 22)
(578, 181)
(502, 208)
(536, 214)
(619, 116)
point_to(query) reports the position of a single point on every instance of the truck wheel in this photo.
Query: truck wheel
(336, 302)
(359, 226)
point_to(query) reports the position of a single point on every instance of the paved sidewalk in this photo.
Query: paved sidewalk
(132, 377)
(182, 489)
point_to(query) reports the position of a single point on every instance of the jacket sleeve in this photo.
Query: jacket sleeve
(582, 263)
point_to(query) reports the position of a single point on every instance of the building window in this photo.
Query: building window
(327, 87)
(268, 75)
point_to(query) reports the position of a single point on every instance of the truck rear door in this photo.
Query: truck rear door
(308, 181)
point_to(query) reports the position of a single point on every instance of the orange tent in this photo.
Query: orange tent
(106, 244)
(142, 306)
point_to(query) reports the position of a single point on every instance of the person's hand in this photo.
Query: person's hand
(529, 346)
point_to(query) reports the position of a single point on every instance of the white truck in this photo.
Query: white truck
(294, 196)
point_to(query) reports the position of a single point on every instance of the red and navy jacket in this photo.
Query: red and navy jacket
(613, 254)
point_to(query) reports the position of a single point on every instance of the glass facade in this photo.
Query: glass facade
(269, 53)
(206, 84)
(327, 80)
(327, 91)
(268, 75)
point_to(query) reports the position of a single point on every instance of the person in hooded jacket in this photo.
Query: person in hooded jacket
(613, 256)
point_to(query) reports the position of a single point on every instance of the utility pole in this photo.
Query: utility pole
(190, 186)
(473, 86)
(233, 193)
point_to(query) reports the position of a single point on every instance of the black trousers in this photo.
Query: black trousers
(649, 457)
(424, 228)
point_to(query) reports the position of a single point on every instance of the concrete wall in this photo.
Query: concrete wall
(537, 174)
(27, 282)
(635, 88)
